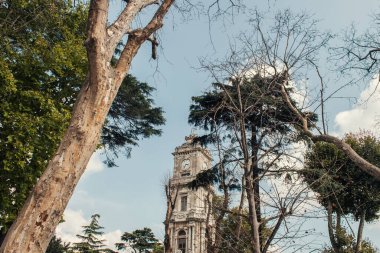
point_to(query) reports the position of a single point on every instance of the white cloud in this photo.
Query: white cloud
(363, 115)
(74, 220)
(95, 164)
(111, 238)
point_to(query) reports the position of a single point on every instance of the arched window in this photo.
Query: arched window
(182, 241)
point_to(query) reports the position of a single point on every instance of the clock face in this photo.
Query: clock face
(185, 164)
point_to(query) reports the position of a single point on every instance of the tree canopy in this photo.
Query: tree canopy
(333, 176)
(43, 64)
(90, 239)
(140, 240)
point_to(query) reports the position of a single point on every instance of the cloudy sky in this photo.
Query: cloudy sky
(131, 195)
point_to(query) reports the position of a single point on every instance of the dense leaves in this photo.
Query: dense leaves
(262, 105)
(257, 101)
(131, 117)
(43, 64)
(90, 239)
(348, 245)
(140, 240)
(330, 173)
(57, 246)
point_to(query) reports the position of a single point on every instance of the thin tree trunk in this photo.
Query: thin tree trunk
(252, 214)
(209, 232)
(360, 233)
(170, 204)
(330, 226)
(256, 181)
(222, 213)
(249, 178)
(240, 210)
(338, 230)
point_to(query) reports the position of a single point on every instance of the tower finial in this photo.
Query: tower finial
(189, 139)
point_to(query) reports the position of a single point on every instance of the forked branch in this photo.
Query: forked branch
(346, 148)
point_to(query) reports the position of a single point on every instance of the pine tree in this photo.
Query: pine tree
(90, 239)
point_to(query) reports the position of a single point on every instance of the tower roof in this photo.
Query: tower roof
(191, 145)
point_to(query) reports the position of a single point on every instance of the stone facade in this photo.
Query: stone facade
(189, 218)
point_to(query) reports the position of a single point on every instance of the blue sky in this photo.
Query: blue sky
(131, 196)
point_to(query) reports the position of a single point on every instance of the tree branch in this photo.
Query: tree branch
(137, 37)
(346, 148)
(122, 24)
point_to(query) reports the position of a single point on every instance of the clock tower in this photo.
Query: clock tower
(190, 215)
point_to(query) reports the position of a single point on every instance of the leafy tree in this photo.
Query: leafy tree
(57, 246)
(140, 240)
(231, 242)
(90, 241)
(42, 66)
(344, 189)
(42, 63)
(348, 245)
(158, 248)
(252, 116)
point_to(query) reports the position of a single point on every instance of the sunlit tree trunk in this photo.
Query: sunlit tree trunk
(359, 238)
(36, 222)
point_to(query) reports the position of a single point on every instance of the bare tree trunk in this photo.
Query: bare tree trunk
(252, 214)
(170, 204)
(338, 229)
(360, 233)
(42, 211)
(330, 226)
(240, 210)
(256, 180)
(209, 233)
(248, 176)
(226, 198)
(274, 230)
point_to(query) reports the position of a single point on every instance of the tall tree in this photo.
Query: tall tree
(248, 105)
(43, 64)
(342, 188)
(57, 246)
(251, 111)
(140, 240)
(90, 239)
(44, 207)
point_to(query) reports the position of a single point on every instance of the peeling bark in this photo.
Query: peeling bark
(42, 211)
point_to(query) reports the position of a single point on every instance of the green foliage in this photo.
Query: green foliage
(57, 246)
(213, 176)
(330, 173)
(90, 241)
(43, 64)
(348, 244)
(140, 240)
(262, 106)
(131, 117)
(257, 101)
(231, 240)
(158, 248)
